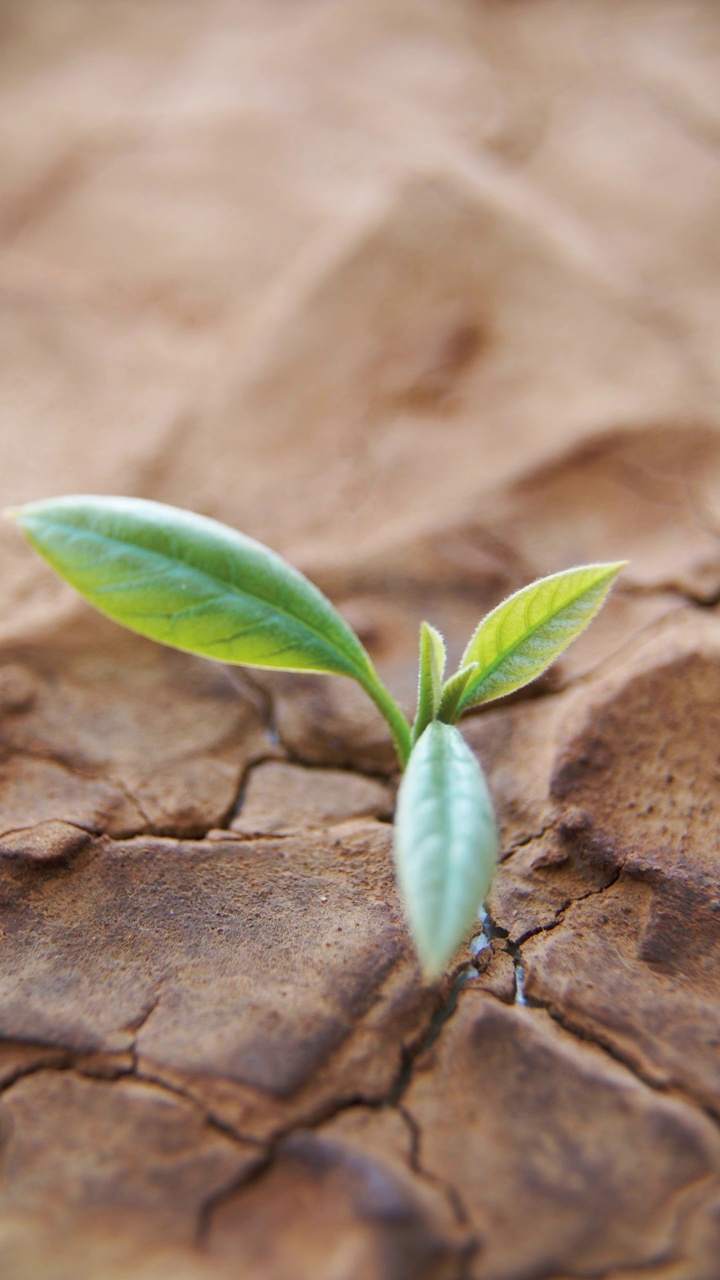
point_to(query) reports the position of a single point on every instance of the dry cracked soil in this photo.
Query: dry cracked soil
(425, 294)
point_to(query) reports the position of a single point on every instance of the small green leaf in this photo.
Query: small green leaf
(521, 637)
(197, 585)
(432, 668)
(452, 692)
(445, 844)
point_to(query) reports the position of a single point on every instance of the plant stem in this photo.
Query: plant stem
(389, 708)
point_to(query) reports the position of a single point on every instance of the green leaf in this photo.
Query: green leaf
(445, 844)
(452, 692)
(197, 585)
(432, 667)
(521, 637)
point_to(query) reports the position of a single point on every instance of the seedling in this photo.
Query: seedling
(199, 586)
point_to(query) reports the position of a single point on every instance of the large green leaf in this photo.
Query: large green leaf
(445, 844)
(521, 637)
(430, 677)
(197, 585)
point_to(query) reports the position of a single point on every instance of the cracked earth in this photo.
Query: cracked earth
(422, 294)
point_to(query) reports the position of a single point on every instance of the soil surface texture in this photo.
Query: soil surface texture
(425, 294)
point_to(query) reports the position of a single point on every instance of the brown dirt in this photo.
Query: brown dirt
(424, 295)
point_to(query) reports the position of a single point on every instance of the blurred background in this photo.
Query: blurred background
(335, 271)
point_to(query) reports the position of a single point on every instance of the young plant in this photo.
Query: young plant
(195, 584)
